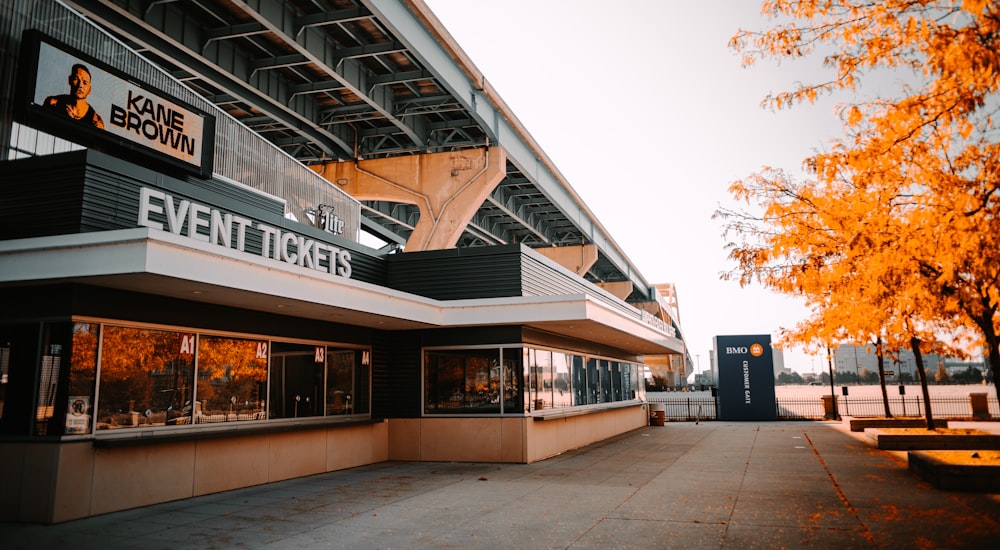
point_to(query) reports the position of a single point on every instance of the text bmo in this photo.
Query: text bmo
(737, 350)
(217, 227)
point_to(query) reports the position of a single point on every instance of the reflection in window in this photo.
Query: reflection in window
(513, 380)
(82, 377)
(297, 381)
(616, 381)
(87, 375)
(579, 381)
(5, 349)
(604, 366)
(462, 381)
(232, 379)
(562, 396)
(50, 407)
(593, 382)
(145, 378)
(540, 378)
(340, 381)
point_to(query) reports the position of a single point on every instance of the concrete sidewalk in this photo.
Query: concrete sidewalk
(684, 485)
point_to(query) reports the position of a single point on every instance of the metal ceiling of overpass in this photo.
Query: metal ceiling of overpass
(346, 79)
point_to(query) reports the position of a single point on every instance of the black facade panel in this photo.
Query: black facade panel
(456, 274)
(396, 380)
(104, 193)
(472, 336)
(37, 303)
(87, 191)
(489, 272)
(211, 192)
(40, 198)
(539, 279)
(108, 303)
(537, 337)
(59, 302)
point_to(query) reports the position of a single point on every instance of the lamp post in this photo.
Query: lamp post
(832, 415)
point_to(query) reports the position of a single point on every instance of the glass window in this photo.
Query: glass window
(50, 409)
(562, 394)
(5, 348)
(462, 381)
(593, 382)
(638, 385)
(361, 399)
(541, 379)
(146, 378)
(627, 392)
(579, 381)
(339, 381)
(605, 367)
(297, 381)
(616, 381)
(232, 379)
(513, 381)
(82, 378)
(18, 357)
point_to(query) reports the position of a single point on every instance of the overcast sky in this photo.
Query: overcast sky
(650, 117)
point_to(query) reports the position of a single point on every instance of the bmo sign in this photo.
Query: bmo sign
(745, 377)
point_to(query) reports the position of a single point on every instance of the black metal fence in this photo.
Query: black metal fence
(690, 408)
(704, 408)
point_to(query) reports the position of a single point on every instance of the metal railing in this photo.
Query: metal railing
(912, 405)
(958, 407)
(691, 408)
(240, 154)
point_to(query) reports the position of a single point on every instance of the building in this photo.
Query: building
(189, 304)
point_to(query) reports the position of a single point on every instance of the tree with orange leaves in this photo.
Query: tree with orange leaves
(895, 233)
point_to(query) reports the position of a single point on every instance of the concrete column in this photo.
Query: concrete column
(448, 188)
(578, 259)
(620, 289)
(980, 405)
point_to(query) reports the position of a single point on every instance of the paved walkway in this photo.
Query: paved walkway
(684, 485)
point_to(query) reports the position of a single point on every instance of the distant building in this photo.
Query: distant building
(856, 359)
(779, 361)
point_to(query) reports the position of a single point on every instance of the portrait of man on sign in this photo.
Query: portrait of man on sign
(74, 104)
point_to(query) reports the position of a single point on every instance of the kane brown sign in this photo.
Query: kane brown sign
(79, 98)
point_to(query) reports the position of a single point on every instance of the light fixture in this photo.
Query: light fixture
(342, 181)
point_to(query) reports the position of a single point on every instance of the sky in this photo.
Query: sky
(650, 117)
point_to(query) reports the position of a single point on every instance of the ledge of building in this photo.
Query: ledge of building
(566, 413)
(231, 429)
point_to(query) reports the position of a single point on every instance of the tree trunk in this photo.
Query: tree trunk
(992, 352)
(881, 377)
(915, 346)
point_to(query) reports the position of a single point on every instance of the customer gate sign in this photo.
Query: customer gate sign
(745, 377)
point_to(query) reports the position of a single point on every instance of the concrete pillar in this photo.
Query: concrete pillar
(621, 289)
(578, 259)
(980, 405)
(448, 188)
